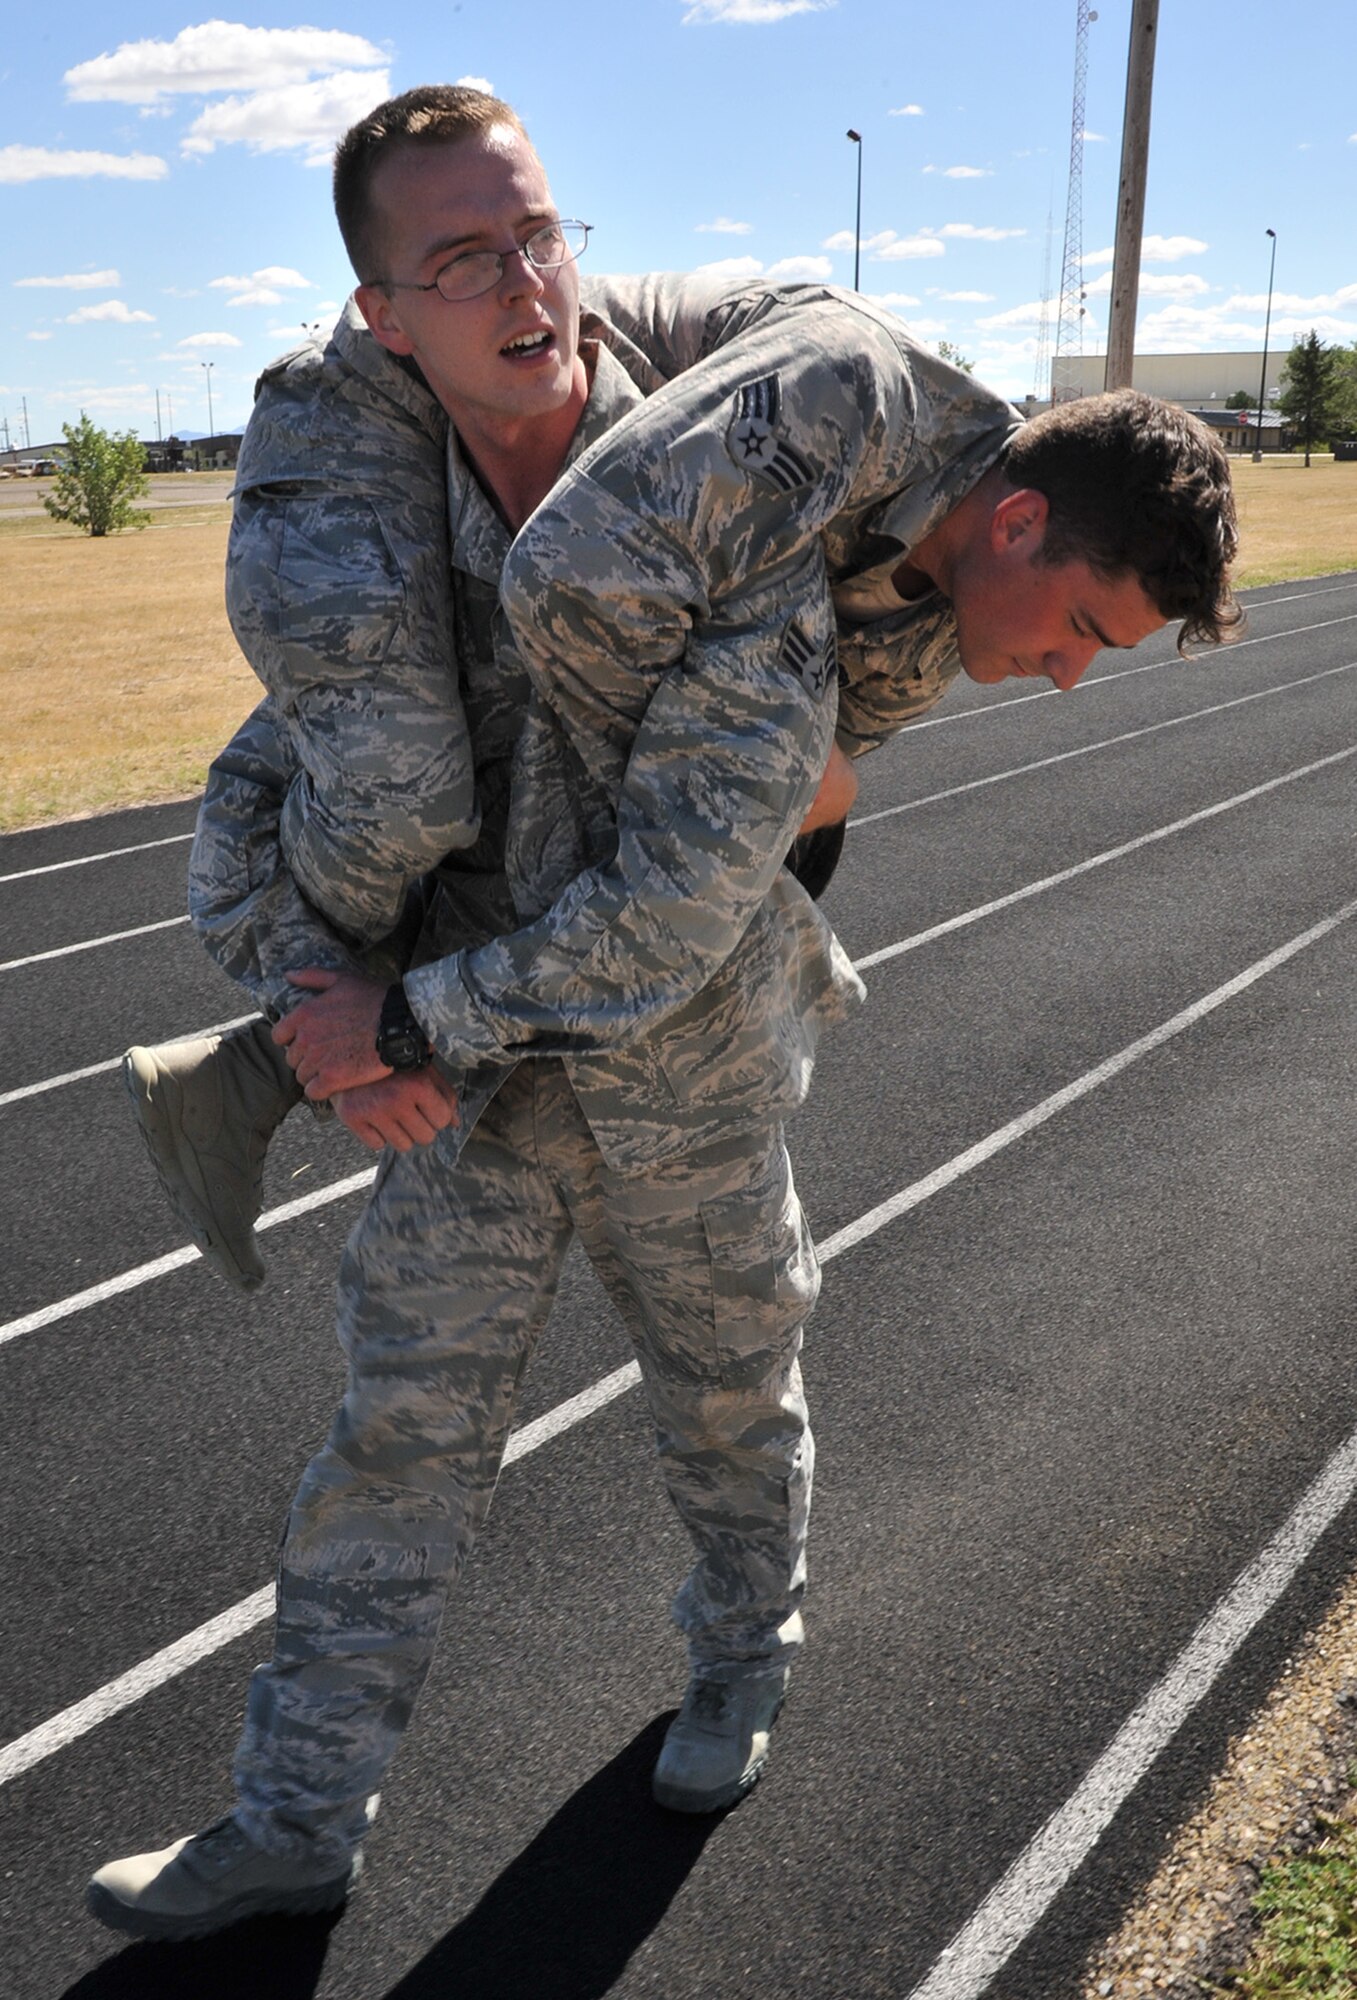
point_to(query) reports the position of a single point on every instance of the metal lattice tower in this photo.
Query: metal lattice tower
(1042, 363)
(1069, 337)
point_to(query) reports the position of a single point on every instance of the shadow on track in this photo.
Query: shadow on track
(268, 1958)
(564, 1917)
(560, 1923)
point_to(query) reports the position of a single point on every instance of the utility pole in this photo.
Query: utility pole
(1267, 328)
(856, 137)
(28, 442)
(159, 433)
(1135, 155)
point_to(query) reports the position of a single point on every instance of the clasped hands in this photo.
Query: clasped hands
(331, 1044)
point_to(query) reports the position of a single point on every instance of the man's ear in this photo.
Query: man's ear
(379, 310)
(1018, 523)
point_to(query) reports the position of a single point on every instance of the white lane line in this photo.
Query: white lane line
(1017, 1903)
(84, 860)
(61, 1730)
(91, 944)
(1102, 860)
(148, 1675)
(173, 1260)
(115, 1062)
(1091, 682)
(1104, 743)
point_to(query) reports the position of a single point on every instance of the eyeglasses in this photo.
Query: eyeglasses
(479, 271)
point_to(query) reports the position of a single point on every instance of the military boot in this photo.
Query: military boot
(207, 1110)
(212, 1879)
(717, 1744)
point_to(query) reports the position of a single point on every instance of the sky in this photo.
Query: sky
(165, 201)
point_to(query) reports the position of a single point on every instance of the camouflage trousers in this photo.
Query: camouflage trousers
(445, 1285)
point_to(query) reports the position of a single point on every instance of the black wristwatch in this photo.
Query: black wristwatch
(401, 1042)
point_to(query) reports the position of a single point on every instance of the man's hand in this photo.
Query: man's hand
(408, 1108)
(838, 789)
(331, 1039)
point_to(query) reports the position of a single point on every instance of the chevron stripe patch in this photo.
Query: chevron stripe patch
(753, 440)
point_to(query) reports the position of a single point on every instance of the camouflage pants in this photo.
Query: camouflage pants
(445, 1285)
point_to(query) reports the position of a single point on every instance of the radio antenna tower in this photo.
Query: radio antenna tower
(1041, 366)
(1069, 335)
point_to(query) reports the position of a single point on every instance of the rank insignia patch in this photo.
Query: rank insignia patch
(814, 667)
(753, 440)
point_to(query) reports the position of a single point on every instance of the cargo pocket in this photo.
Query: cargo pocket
(764, 1272)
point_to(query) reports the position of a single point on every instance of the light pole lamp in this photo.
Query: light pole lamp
(856, 138)
(211, 426)
(1267, 328)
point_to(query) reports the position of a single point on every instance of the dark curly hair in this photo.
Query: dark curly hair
(1137, 486)
(436, 114)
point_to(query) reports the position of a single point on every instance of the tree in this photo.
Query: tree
(1343, 409)
(1239, 399)
(954, 357)
(1308, 386)
(101, 478)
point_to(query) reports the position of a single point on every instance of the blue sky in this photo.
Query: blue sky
(165, 201)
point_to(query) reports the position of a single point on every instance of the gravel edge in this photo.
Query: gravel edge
(1192, 1923)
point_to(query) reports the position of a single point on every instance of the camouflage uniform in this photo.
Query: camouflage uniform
(621, 919)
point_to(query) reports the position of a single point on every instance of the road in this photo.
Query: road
(1082, 1175)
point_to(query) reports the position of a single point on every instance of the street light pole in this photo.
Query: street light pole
(1267, 328)
(856, 137)
(211, 426)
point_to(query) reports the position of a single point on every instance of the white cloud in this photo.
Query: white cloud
(893, 299)
(210, 340)
(747, 11)
(1094, 138)
(77, 281)
(291, 116)
(109, 309)
(800, 270)
(1024, 315)
(215, 56)
(961, 173)
(787, 270)
(261, 288)
(1294, 302)
(39, 336)
(907, 111)
(477, 83)
(732, 267)
(844, 239)
(42, 163)
(901, 248)
(968, 298)
(1168, 249)
(723, 226)
(976, 233)
(1093, 257)
(1181, 285)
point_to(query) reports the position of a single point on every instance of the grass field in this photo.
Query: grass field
(120, 679)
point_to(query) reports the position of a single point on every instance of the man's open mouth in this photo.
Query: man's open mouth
(529, 343)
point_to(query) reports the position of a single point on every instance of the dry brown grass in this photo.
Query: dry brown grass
(1293, 521)
(120, 678)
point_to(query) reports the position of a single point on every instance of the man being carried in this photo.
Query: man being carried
(628, 1029)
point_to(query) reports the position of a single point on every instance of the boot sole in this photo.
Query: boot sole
(675, 1800)
(166, 1928)
(161, 1135)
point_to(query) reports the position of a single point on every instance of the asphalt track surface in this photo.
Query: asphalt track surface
(1082, 1173)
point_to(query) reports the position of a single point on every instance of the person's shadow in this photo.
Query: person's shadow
(559, 1924)
(565, 1916)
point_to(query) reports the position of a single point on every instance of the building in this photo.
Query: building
(213, 454)
(1198, 381)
